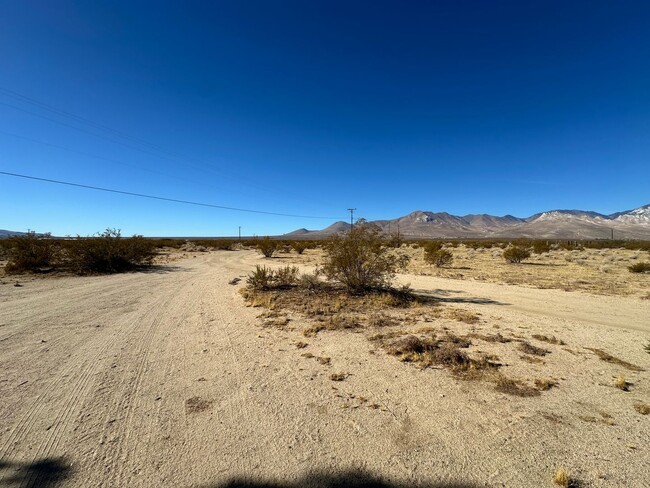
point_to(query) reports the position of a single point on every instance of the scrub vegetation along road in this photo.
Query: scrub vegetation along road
(167, 378)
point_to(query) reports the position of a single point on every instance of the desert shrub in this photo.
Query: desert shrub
(286, 276)
(221, 244)
(395, 240)
(360, 261)
(31, 252)
(299, 246)
(438, 258)
(309, 281)
(109, 252)
(642, 267)
(540, 247)
(432, 247)
(516, 254)
(263, 278)
(173, 243)
(267, 246)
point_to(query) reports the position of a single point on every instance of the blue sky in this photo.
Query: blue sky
(313, 107)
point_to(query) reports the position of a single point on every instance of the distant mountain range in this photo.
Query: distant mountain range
(554, 224)
(8, 233)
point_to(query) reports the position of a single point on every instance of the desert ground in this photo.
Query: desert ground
(170, 378)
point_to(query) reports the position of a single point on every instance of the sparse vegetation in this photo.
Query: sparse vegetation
(621, 383)
(267, 246)
(31, 253)
(562, 478)
(642, 267)
(437, 257)
(360, 261)
(264, 278)
(516, 254)
(299, 246)
(540, 247)
(545, 385)
(514, 387)
(109, 252)
(549, 339)
(608, 358)
(528, 348)
(642, 408)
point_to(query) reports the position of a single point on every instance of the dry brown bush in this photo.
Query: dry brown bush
(360, 260)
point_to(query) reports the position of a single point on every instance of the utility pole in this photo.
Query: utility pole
(240, 233)
(351, 210)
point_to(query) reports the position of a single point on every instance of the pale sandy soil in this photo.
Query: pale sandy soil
(596, 271)
(166, 378)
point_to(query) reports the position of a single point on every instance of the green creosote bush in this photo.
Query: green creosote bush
(267, 246)
(263, 278)
(31, 252)
(435, 255)
(516, 254)
(540, 247)
(299, 246)
(360, 260)
(109, 252)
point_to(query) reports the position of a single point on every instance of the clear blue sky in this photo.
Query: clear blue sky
(313, 107)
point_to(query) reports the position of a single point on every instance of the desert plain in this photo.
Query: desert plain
(171, 377)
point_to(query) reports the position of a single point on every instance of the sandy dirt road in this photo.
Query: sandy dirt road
(165, 378)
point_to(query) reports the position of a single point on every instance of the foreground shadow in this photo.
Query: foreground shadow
(161, 269)
(45, 473)
(345, 479)
(445, 296)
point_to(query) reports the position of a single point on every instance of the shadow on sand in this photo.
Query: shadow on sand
(45, 473)
(447, 296)
(345, 479)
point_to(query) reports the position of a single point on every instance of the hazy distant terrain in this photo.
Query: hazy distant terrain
(554, 224)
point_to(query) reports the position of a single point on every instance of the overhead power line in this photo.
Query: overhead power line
(154, 197)
(78, 118)
(146, 148)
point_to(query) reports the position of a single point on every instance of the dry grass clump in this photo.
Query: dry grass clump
(562, 478)
(608, 358)
(621, 383)
(642, 408)
(490, 337)
(545, 385)
(531, 359)
(528, 348)
(642, 267)
(429, 351)
(462, 315)
(550, 340)
(514, 387)
(381, 320)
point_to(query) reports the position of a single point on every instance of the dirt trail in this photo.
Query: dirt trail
(166, 379)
